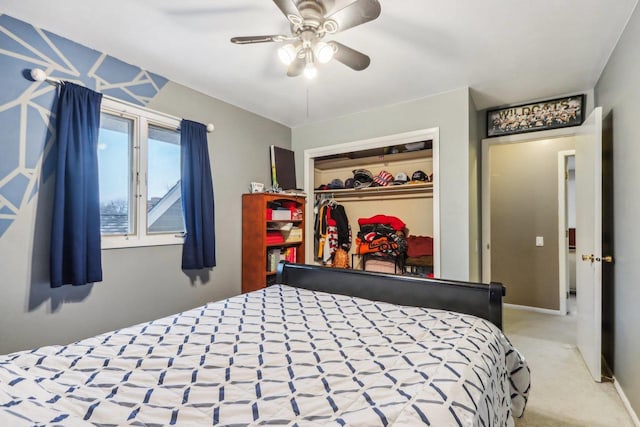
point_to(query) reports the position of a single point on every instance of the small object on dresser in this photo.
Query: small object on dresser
(289, 254)
(281, 215)
(273, 257)
(296, 214)
(256, 187)
(293, 235)
(274, 237)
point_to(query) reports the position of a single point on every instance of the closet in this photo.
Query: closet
(412, 202)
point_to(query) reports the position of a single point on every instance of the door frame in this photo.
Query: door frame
(563, 248)
(383, 141)
(487, 143)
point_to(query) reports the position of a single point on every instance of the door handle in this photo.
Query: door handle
(593, 258)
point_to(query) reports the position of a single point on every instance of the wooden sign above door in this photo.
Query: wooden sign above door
(536, 116)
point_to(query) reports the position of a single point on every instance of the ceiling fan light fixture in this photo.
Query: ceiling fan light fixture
(310, 71)
(287, 54)
(324, 52)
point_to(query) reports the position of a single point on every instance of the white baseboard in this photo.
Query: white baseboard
(536, 309)
(626, 403)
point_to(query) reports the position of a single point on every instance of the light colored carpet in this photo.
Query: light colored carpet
(562, 391)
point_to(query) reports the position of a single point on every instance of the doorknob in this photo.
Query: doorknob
(607, 258)
(588, 257)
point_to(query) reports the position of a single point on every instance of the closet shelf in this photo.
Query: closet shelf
(426, 188)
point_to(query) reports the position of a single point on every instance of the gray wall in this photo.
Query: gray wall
(524, 204)
(450, 113)
(618, 91)
(139, 284)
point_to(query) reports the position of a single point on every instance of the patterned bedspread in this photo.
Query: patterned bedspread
(281, 356)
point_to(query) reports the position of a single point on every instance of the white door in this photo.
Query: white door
(589, 241)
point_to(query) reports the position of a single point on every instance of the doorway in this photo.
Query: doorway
(524, 211)
(590, 182)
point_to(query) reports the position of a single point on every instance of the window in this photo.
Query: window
(115, 149)
(164, 208)
(139, 173)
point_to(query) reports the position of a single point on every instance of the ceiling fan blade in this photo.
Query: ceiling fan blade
(350, 57)
(356, 13)
(297, 67)
(288, 7)
(258, 39)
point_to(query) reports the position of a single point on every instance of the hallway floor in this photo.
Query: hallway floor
(562, 390)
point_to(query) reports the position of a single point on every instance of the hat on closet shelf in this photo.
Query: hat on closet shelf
(362, 178)
(419, 177)
(348, 183)
(401, 178)
(336, 184)
(382, 179)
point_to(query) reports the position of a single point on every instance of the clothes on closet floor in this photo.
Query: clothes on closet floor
(381, 233)
(419, 258)
(418, 246)
(381, 243)
(332, 232)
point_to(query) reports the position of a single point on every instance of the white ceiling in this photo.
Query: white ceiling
(506, 51)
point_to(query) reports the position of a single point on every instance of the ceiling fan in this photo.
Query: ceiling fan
(310, 23)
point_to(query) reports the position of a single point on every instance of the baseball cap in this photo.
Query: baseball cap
(362, 178)
(382, 179)
(419, 176)
(401, 178)
(336, 184)
(348, 183)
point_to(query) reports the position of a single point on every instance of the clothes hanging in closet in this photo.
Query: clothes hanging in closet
(331, 229)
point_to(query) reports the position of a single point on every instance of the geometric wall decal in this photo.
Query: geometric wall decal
(10, 137)
(36, 135)
(15, 188)
(28, 108)
(118, 71)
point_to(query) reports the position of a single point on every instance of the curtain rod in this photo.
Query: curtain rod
(39, 75)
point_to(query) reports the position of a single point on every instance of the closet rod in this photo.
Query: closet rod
(39, 75)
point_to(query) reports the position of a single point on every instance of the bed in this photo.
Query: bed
(321, 347)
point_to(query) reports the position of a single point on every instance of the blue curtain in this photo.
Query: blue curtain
(199, 248)
(75, 235)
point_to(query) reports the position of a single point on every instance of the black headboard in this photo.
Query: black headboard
(478, 299)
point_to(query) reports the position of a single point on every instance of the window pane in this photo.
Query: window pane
(115, 144)
(164, 208)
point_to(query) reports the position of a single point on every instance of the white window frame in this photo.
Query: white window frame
(142, 118)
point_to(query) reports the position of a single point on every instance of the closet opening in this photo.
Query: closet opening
(403, 170)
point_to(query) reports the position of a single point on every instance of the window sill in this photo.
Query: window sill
(119, 242)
